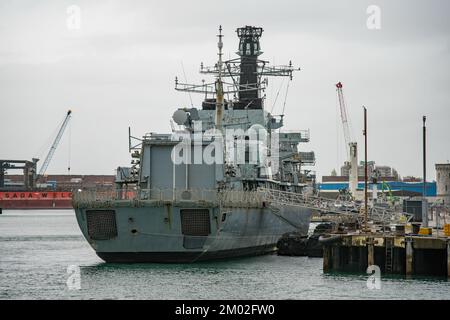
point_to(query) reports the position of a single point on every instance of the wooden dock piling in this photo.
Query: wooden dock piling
(448, 259)
(410, 255)
(370, 251)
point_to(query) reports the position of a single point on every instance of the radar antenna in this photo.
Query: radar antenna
(247, 75)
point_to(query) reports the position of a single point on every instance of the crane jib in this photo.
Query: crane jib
(51, 152)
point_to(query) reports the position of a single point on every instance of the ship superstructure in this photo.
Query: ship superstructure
(200, 192)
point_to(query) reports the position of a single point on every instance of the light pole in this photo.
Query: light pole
(365, 169)
(424, 192)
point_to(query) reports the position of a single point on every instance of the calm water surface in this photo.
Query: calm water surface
(36, 247)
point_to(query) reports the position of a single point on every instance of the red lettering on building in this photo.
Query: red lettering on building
(27, 195)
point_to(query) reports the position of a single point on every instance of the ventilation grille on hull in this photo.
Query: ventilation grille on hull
(101, 224)
(195, 222)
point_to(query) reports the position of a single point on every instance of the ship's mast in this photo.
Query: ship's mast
(219, 85)
(245, 72)
(249, 84)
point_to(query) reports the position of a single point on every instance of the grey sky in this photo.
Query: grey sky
(118, 70)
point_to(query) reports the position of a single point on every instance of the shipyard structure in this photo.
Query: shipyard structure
(384, 183)
(51, 192)
(23, 186)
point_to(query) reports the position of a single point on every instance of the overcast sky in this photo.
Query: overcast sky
(118, 70)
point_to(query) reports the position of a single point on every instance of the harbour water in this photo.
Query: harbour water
(36, 248)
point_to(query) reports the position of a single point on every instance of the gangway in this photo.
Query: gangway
(347, 209)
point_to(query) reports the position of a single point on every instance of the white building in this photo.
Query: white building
(443, 182)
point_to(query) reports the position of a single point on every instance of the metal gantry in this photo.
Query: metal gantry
(347, 209)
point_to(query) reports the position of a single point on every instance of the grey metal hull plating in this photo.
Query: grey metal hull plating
(151, 231)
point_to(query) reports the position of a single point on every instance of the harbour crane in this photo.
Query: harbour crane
(51, 152)
(351, 146)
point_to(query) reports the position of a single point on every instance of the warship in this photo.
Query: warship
(226, 182)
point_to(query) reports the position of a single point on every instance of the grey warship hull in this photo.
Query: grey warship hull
(179, 232)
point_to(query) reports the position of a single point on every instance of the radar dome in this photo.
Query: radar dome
(180, 117)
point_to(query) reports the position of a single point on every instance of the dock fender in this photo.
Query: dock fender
(329, 239)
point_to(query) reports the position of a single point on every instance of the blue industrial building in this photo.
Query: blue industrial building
(396, 186)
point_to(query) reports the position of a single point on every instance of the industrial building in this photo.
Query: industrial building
(443, 182)
(387, 181)
(381, 171)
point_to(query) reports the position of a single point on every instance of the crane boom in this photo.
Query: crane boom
(351, 146)
(343, 113)
(49, 156)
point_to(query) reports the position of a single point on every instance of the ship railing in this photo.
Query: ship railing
(104, 195)
(224, 197)
(300, 135)
(146, 194)
(185, 195)
(241, 198)
(208, 195)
